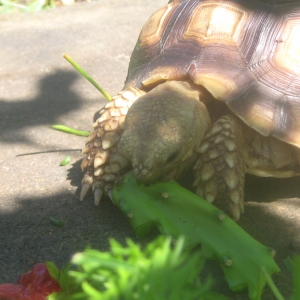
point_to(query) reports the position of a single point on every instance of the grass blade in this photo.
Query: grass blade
(271, 284)
(87, 76)
(70, 130)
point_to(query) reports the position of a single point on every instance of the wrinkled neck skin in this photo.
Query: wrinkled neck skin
(163, 130)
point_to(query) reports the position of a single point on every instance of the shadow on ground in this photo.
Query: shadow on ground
(29, 236)
(54, 99)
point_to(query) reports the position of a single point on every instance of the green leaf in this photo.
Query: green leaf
(90, 290)
(289, 264)
(87, 76)
(130, 273)
(53, 270)
(56, 222)
(65, 161)
(57, 296)
(271, 284)
(70, 130)
(66, 282)
(175, 211)
(296, 273)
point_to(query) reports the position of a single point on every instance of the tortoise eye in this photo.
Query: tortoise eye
(172, 157)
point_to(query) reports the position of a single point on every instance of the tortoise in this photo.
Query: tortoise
(213, 86)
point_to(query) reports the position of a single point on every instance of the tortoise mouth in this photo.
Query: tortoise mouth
(148, 177)
(173, 174)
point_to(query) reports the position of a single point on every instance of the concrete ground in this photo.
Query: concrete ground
(39, 88)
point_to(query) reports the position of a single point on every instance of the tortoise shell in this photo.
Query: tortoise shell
(246, 53)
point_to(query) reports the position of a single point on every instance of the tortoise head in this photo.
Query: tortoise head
(163, 130)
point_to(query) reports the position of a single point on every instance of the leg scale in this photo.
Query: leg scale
(220, 168)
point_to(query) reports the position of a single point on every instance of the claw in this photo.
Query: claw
(97, 195)
(109, 194)
(234, 211)
(85, 188)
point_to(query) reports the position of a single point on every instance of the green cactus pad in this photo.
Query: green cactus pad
(177, 212)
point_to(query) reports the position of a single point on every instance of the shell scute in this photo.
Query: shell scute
(245, 53)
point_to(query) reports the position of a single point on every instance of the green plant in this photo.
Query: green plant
(87, 76)
(160, 271)
(70, 130)
(177, 212)
(35, 5)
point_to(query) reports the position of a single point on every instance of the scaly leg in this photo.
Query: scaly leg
(103, 163)
(220, 169)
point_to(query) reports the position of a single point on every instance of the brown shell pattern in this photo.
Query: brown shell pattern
(245, 53)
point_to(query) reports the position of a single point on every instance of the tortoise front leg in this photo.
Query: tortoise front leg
(103, 162)
(220, 168)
